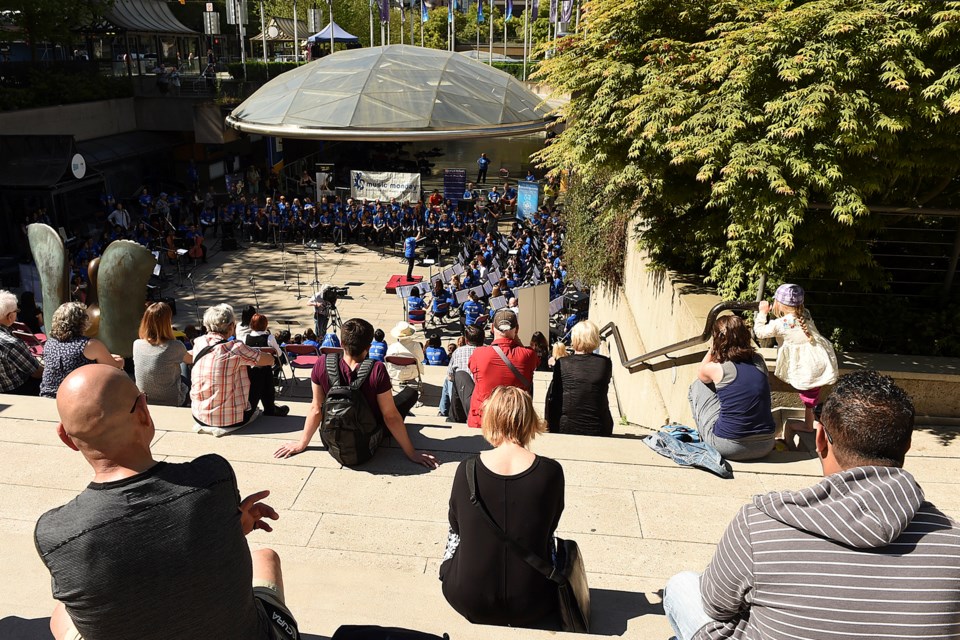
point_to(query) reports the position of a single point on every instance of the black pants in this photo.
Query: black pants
(482, 175)
(29, 388)
(405, 400)
(410, 261)
(262, 389)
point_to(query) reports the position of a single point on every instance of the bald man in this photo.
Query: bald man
(153, 550)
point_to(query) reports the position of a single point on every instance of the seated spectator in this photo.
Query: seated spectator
(376, 391)
(483, 578)
(29, 313)
(730, 398)
(577, 399)
(220, 384)
(243, 329)
(160, 360)
(67, 348)
(378, 348)
(309, 338)
(538, 342)
(489, 364)
(20, 371)
(860, 554)
(434, 354)
(262, 389)
(460, 359)
(407, 347)
(330, 339)
(139, 518)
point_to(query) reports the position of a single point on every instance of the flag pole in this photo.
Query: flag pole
(372, 43)
(296, 35)
(330, 5)
(263, 33)
(490, 55)
(526, 15)
(505, 31)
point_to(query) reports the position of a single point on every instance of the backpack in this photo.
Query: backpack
(349, 430)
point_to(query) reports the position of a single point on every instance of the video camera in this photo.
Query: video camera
(331, 294)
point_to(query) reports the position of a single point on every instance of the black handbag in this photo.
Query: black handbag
(567, 571)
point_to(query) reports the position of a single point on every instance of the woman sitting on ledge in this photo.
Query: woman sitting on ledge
(730, 398)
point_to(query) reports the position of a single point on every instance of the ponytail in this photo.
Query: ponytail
(801, 314)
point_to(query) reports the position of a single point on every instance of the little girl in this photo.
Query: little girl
(805, 359)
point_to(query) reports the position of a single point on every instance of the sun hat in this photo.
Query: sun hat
(505, 320)
(402, 330)
(789, 294)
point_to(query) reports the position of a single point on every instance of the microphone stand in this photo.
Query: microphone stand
(253, 281)
(196, 303)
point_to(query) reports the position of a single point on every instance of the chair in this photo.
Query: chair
(406, 361)
(331, 351)
(279, 377)
(304, 357)
(417, 317)
(19, 326)
(35, 346)
(442, 312)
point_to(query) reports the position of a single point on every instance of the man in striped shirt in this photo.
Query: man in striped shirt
(859, 555)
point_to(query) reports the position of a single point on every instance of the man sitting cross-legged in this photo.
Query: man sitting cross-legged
(153, 550)
(859, 555)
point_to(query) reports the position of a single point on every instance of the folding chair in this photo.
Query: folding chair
(331, 351)
(35, 346)
(279, 377)
(442, 313)
(417, 317)
(19, 326)
(406, 361)
(304, 357)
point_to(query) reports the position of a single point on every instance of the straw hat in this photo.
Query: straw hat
(402, 330)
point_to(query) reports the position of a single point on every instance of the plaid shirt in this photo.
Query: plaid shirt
(220, 382)
(460, 359)
(16, 361)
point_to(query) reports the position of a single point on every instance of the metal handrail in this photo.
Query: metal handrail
(640, 363)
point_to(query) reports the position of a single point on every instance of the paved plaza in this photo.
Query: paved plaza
(363, 546)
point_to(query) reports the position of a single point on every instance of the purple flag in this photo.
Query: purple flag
(509, 13)
(553, 11)
(567, 11)
(384, 10)
(535, 10)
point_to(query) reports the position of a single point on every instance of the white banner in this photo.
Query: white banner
(374, 185)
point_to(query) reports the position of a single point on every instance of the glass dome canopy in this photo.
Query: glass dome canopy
(398, 92)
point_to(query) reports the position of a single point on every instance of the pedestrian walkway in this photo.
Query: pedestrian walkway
(363, 546)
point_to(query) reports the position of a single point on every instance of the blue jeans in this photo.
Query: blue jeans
(445, 397)
(683, 604)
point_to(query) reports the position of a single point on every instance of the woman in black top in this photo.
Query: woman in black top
(577, 398)
(483, 579)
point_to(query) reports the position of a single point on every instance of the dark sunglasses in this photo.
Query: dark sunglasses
(817, 412)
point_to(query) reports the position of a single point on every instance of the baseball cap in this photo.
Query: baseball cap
(789, 294)
(505, 320)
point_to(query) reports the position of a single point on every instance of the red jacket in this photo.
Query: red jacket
(490, 371)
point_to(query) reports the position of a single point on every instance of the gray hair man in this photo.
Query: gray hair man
(20, 371)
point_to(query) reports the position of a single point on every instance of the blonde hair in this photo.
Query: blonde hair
(508, 416)
(799, 312)
(585, 337)
(156, 326)
(69, 321)
(559, 351)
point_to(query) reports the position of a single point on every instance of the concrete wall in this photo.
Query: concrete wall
(84, 121)
(656, 309)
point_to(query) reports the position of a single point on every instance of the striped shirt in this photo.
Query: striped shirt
(16, 362)
(859, 555)
(220, 383)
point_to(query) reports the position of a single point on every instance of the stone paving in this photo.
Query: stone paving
(363, 546)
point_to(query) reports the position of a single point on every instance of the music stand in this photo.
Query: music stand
(458, 269)
(462, 296)
(298, 253)
(556, 305)
(500, 302)
(487, 288)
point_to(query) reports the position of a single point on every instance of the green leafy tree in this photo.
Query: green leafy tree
(52, 21)
(749, 137)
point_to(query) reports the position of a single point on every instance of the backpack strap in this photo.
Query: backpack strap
(207, 349)
(539, 564)
(362, 374)
(333, 369)
(527, 385)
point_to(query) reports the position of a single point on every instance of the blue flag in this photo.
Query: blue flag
(509, 13)
(553, 11)
(384, 10)
(450, 11)
(424, 16)
(480, 11)
(535, 9)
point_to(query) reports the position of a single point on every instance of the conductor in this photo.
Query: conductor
(410, 252)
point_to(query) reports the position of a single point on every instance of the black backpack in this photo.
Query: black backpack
(349, 430)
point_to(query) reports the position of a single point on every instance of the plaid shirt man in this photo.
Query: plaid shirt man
(16, 362)
(220, 382)
(460, 359)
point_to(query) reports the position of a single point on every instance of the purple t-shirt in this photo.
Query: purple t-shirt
(377, 382)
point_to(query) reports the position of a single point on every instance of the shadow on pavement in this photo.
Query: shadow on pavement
(611, 611)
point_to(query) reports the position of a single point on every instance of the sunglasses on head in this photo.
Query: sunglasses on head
(817, 412)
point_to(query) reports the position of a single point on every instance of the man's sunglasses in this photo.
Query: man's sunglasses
(817, 411)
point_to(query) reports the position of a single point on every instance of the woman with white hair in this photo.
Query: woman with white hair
(67, 348)
(577, 398)
(220, 383)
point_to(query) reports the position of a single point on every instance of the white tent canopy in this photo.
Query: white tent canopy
(398, 92)
(339, 35)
